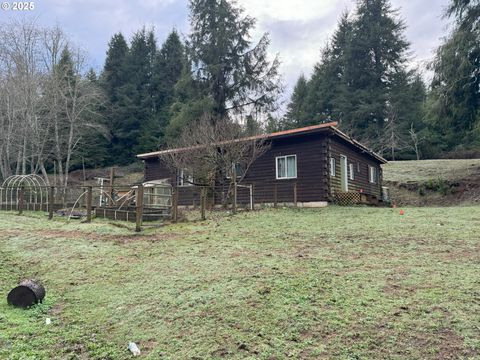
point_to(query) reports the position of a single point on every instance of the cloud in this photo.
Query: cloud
(298, 29)
(286, 10)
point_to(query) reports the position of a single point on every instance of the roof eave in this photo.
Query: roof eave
(359, 145)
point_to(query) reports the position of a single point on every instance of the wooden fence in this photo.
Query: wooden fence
(140, 203)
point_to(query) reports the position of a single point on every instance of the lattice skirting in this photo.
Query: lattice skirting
(348, 198)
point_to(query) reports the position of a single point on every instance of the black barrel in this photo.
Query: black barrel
(27, 293)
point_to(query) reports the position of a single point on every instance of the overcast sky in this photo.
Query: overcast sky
(298, 28)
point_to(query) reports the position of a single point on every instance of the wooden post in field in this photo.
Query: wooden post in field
(175, 204)
(21, 200)
(51, 201)
(112, 179)
(139, 208)
(234, 176)
(275, 195)
(89, 204)
(253, 196)
(295, 194)
(203, 200)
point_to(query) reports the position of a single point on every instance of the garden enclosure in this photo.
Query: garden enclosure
(150, 201)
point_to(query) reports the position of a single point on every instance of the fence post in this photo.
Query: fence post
(112, 179)
(275, 195)
(51, 201)
(89, 204)
(21, 200)
(252, 197)
(139, 209)
(295, 194)
(203, 200)
(175, 204)
(234, 200)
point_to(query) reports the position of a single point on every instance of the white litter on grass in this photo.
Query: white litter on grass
(133, 349)
(48, 321)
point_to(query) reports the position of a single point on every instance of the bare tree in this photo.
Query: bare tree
(210, 152)
(393, 138)
(416, 140)
(43, 112)
(21, 76)
(72, 104)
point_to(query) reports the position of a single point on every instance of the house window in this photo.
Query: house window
(286, 167)
(184, 178)
(373, 174)
(332, 166)
(239, 170)
(351, 174)
(359, 168)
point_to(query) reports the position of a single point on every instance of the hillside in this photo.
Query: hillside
(433, 182)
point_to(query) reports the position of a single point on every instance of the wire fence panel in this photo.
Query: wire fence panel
(160, 201)
(115, 203)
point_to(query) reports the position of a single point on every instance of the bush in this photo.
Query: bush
(436, 185)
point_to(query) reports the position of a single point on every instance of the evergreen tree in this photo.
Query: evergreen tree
(328, 97)
(94, 147)
(228, 74)
(404, 112)
(168, 68)
(297, 115)
(454, 100)
(113, 76)
(134, 126)
(362, 79)
(111, 80)
(377, 53)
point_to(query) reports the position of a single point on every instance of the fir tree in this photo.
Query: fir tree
(454, 100)
(226, 66)
(296, 115)
(113, 75)
(135, 128)
(168, 68)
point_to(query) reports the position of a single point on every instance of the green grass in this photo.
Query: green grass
(346, 283)
(425, 170)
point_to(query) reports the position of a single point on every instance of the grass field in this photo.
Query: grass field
(425, 170)
(346, 283)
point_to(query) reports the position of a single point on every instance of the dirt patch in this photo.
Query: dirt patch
(11, 233)
(92, 236)
(451, 346)
(463, 255)
(394, 284)
(57, 309)
(464, 191)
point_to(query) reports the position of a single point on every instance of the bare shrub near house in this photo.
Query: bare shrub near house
(210, 153)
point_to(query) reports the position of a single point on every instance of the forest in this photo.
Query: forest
(58, 115)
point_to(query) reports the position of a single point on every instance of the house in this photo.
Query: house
(310, 166)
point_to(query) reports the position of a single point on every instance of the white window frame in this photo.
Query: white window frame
(286, 169)
(227, 176)
(180, 178)
(351, 171)
(333, 166)
(372, 174)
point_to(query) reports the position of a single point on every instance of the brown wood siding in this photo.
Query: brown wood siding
(155, 169)
(310, 151)
(361, 182)
(311, 181)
